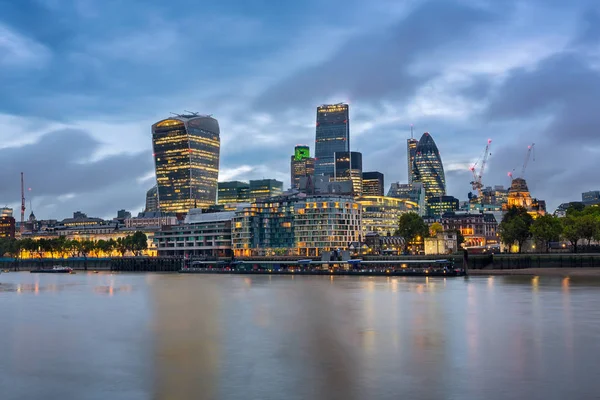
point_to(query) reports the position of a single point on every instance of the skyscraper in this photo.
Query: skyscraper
(264, 188)
(332, 136)
(301, 165)
(348, 167)
(372, 183)
(411, 150)
(186, 157)
(152, 200)
(428, 168)
(234, 192)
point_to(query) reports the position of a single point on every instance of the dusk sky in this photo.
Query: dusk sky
(82, 81)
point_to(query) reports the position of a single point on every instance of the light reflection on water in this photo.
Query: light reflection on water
(97, 336)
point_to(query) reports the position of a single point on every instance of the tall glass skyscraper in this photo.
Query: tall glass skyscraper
(333, 136)
(186, 158)
(428, 168)
(411, 151)
(348, 167)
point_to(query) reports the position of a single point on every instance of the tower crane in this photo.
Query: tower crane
(477, 176)
(530, 151)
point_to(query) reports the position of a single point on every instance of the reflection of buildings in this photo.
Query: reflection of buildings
(372, 184)
(301, 165)
(519, 196)
(380, 214)
(332, 136)
(477, 229)
(186, 157)
(414, 192)
(411, 151)
(428, 168)
(348, 167)
(437, 206)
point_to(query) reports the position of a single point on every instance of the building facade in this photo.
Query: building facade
(234, 192)
(414, 192)
(332, 136)
(264, 188)
(591, 198)
(519, 196)
(428, 168)
(186, 158)
(152, 200)
(478, 229)
(438, 206)
(151, 220)
(302, 165)
(7, 227)
(348, 167)
(204, 235)
(372, 184)
(411, 151)
(380, 214)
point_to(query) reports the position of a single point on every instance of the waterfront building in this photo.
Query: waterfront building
(264, 188)
(414, 192)
(383, 244)
(437, 206)
(302, 165)
(478, 229)
(411, 151)
(7, 227)
(591, 198)
(81, 219)
(442, 243)
(152, 200)
(234, 192)
(332, 136)
(326, 223)
(203, 235)
(428, 168)
(348, 167)
(150, 220)
(372, 184)
(519, 196)
(380, 214)
(186, 157)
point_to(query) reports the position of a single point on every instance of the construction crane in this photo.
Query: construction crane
(530, 151)
(477, 176)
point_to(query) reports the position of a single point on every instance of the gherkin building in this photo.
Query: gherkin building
(428, 168)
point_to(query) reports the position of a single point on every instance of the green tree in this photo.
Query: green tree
(122, 245)
(435, 228)
(139, 242)
(515, 226)
(410, 227)
(572, 230)
(545, 229)
(588, 226)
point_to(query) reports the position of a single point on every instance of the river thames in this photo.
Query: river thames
(152, 336)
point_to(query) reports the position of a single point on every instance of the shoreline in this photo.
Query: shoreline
(583, 272)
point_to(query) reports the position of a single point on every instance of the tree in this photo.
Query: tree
(121, 245)
(435, 228)
(410, 227)
(139, 242)
(545, 229)
(515, 226)
(588, 226)
(571, 230)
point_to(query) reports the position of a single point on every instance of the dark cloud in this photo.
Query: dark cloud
(377, 65)
(59, 164)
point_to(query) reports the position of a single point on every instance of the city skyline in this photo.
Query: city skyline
(79, 98)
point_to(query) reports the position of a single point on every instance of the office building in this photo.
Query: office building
(411, 151)
(186, 157)
(7, 227)
(264, 188)
(414, 192)
(348, 167)
(380, 214)
(234, 192)
(437, 206)
(203, 235)
(372, 184)
(6, 212)
(323, 184)
(154, 220)
(332, 136)
(152, 200)
(428, 168)
(302, 165)
(497, 195)
(591, 198)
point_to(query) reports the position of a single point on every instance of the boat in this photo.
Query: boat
(57, 269)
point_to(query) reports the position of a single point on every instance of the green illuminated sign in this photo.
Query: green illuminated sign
(301, 153)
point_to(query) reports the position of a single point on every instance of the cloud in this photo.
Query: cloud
(18, 51)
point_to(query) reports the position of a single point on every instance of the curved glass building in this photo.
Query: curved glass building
(186, 158)
(428, 168)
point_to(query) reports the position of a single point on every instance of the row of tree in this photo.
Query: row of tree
(62, 247)
(414, 230)
(579, 224)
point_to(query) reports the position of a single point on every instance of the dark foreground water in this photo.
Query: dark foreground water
(101, 336)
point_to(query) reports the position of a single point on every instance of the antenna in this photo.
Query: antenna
(411, 131)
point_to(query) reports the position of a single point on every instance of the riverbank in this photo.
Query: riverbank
(583, 272)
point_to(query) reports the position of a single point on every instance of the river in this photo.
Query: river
(170, 336)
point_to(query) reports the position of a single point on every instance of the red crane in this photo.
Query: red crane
(477, 176)
(530, 151)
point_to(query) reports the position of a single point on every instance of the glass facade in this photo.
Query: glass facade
(152, 200)
(428, 168)
(380, 214)
(234, 192)
(264, 188)
(437, 206)
(411, 151)
(348, 167)
(332, 136)
(413, 192)
(372, 184)
(301, 165)
(186, 158)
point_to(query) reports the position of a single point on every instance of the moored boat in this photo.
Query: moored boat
(57, 269)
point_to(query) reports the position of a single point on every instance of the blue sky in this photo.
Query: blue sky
(83, 80)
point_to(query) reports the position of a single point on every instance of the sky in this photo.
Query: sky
(82, 81)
